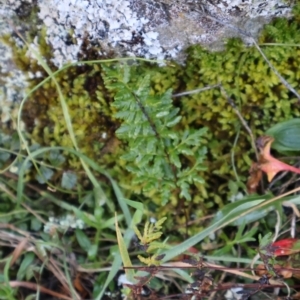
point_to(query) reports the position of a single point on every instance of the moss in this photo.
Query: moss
(256, 90)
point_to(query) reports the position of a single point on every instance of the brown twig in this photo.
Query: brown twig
(212, 295)
(36, 287)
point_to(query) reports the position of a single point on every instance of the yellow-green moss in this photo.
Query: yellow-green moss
(255, 89)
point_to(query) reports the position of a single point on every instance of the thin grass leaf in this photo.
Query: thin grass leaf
(25, 264)
(286, 136)
(231, 217)
(137, 216)
(124, 252)
(83, 240)
(128, 235)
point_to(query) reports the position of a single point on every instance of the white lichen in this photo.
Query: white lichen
(255, 8)
(62, 224)
(111, 22)
(13, 81)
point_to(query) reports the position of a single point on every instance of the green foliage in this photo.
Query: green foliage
(148, 242)
(286, 135)
(68, 180)
(257, 92)
(45, 175)
(157, 154)
(241, 238)
(151, 232)
(245, 202)
(265, 240)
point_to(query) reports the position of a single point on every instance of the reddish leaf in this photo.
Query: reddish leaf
(286, 247)
(267, 164)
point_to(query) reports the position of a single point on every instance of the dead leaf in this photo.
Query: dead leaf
(267, 164)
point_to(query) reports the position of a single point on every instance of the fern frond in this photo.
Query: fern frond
(138, 233)
(158, 224)
(149, 261)
(156, 151)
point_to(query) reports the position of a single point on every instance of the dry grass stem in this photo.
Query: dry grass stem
(196, 91)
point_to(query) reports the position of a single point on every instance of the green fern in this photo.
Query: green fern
(161, 158)
(148, 242)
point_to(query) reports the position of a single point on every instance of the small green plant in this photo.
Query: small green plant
(241, 238)
(148, 242)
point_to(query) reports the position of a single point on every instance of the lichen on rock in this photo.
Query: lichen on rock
(152, 29)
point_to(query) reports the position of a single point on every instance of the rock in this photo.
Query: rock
(158, 29)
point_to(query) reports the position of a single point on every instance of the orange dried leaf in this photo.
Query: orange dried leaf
(284, 271)
(271, 166)
(267, 164)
